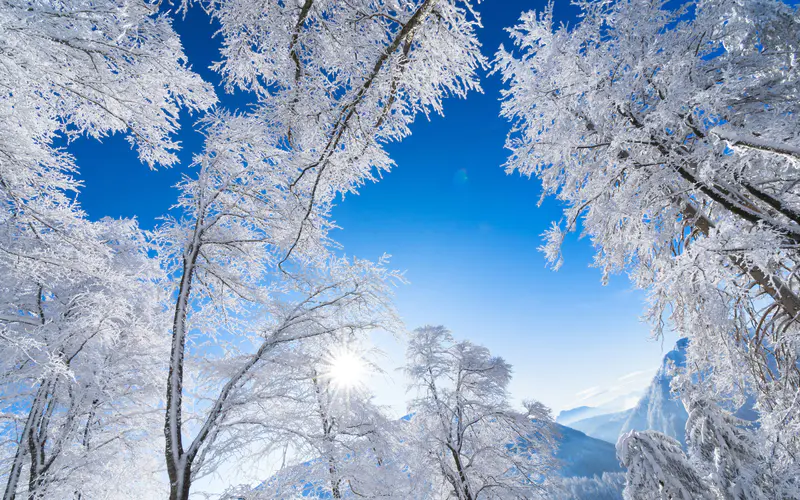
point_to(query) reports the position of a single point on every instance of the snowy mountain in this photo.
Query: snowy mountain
(658, 410)
(590, 469)
(655, 410)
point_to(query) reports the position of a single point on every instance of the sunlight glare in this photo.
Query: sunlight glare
(347, 370)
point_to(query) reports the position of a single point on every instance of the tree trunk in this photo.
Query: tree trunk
(180, 482)
(37, 439)
(772, 285)
(34, 415)
(462, 475)
(19, 457)
(178, 464)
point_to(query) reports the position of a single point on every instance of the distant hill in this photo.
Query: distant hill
(567, 417)
(606, 427)
(619, 404)
(584, 456)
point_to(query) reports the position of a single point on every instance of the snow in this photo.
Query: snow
(658, 409)
(670, 140)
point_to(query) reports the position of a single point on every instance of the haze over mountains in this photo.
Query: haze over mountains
(655, 410)
(606, 426)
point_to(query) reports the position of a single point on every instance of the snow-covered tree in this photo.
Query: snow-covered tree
(658, 469)
(334, 80)
(232, 295)
(78, 298)
(84, 68)
(230, 292)
(78, 304)
(339, 444)
(733, 459)
(726, 459)
(467, 433)
(339, 79)
(670, 132)
(80, 352)
(78, 67)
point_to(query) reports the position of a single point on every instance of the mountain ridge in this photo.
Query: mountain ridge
(606, 427)
(656, 409)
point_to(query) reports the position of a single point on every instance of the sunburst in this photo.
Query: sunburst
(346, 369)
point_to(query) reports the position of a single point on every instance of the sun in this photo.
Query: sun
(346, 369)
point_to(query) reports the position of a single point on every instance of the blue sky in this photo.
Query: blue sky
(465, 233)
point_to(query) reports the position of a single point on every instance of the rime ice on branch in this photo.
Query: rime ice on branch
(79, 324)
(469, 438)
(671, 134)
(334, 81)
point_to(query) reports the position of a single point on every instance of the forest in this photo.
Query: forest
(138, 362)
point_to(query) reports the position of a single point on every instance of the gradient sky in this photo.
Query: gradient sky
(465, 232)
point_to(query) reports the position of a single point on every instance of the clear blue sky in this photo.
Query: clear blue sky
(465, 232)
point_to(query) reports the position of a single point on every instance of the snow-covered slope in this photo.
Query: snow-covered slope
(658, 410)
(609, 486)
(584, 456)
(606, 427)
